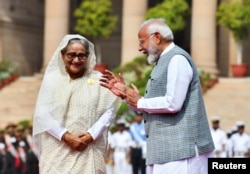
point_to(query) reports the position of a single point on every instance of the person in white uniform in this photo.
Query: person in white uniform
(241, 142)
(138, 150)
(229, 144)
(121, 143)
(219, 138)
(109, 156)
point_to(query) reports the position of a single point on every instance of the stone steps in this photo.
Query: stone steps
(17, 100)
(229, 99)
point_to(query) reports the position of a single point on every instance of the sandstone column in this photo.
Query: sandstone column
(203, 34)
(133, 16)
(56, 26)
(232, 53)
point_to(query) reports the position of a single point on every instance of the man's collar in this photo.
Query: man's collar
(168, 48)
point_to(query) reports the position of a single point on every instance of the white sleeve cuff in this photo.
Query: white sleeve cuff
(102, 124)
(57, 131)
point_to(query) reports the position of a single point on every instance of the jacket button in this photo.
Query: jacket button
(145, 121)
(146, 136)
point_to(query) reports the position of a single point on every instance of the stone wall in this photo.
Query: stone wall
(21, 33)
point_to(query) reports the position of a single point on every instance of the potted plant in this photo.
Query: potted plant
(1, 80)
(234, 15)
(8, 72)
(94, 18)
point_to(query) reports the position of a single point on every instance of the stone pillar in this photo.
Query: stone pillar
(133, 16)
(203, 34)
(56, 26)
(232, 53)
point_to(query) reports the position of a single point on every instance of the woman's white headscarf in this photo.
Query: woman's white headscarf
(76, 105)
(57, 60)
(46, 106)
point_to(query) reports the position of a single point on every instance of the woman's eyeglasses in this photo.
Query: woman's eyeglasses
(80, 56)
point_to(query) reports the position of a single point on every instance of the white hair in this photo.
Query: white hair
(158, 25)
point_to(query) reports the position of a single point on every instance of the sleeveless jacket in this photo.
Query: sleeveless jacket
(172, 137)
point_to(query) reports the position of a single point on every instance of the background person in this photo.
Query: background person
(2, 158)
(138, 150)
(177, 130)
(229, 144)
(109, 155)
(13, 158)
(32, 158)
(241, 142)
(72, 112)
(121, 143)
(219, 138)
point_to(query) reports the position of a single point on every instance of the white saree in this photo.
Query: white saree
(75, 105)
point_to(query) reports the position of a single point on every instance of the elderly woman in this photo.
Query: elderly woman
(73, 112)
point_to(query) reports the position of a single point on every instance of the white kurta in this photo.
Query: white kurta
(180, 74)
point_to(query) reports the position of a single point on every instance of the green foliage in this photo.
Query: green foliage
(24, 123)
(207, 80)
(235, 16)
(123, 108)
(204, 76)
(173, 11)
(136, 72)
(4, 75)
(7, 68)
(95, 18)
(5, 65)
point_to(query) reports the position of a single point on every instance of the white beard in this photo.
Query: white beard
(151, 59)
(152, 53)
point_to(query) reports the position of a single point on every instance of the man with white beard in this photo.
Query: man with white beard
(176, 126)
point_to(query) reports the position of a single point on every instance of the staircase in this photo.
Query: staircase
(229, 99)
(17, 100)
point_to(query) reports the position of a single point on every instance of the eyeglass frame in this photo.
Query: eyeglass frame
(143, 41)
(80, 56)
